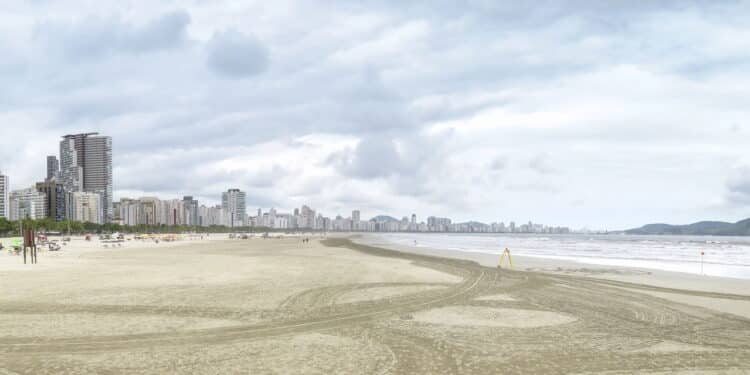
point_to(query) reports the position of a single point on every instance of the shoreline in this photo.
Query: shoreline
(678, 254)
(635, 275)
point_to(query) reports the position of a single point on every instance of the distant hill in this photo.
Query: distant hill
(714, 228)
(384, 219)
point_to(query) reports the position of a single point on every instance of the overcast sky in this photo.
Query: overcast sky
(582, 113)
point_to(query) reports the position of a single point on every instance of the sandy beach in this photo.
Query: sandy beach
(278, 306)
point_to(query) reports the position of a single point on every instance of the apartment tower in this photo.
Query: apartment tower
(233, 205)
(4, 196)
(86, 166)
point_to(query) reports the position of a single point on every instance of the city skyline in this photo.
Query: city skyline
(609, 116)
(192, 211)
(78, 186)
(232, 214)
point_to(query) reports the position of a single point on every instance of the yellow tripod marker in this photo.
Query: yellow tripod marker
(502, 257)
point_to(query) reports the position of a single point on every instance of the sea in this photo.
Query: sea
(722, 256)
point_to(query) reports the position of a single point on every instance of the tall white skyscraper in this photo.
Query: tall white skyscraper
(86, 166)
(233, 204)
(4, 196)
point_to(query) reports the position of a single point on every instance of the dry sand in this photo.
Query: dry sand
(481, 316)
(276, 306)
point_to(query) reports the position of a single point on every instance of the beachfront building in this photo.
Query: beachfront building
(283, 221)
(233, 204)
(192, 217)
(86, 207)
(174, 212)
(211, 216)
(438, 224)
(54, 193)
(322, 223)
(116, 211)
(150, 211)
(217, 216)
(307, 218)
(128, 211)
(86, 166)
(341, 224)
(27, 204)
(362, 226)
(153, 211)
(4, 196)
(71, 172)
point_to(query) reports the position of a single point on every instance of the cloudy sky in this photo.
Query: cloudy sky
(582, 113)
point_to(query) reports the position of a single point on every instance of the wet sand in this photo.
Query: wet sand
(276, 306)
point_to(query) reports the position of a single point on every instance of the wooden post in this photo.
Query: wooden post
(29, 245)
(23, 240)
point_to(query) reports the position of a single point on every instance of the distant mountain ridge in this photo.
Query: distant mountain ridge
(703, 228)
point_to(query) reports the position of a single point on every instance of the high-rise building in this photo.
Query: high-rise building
(355, 216)
(209, 216)
(86, 207)
(307, 218)
(233, 204)
(53, 167)
(86, 166)
(129, 211)
(174, 212)
(438, 224)
(54, 198)
(191, 207)
(216, 216)
(413, 218)
(150, 211)
(4, 196)
(71, 172)
(27, 204)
